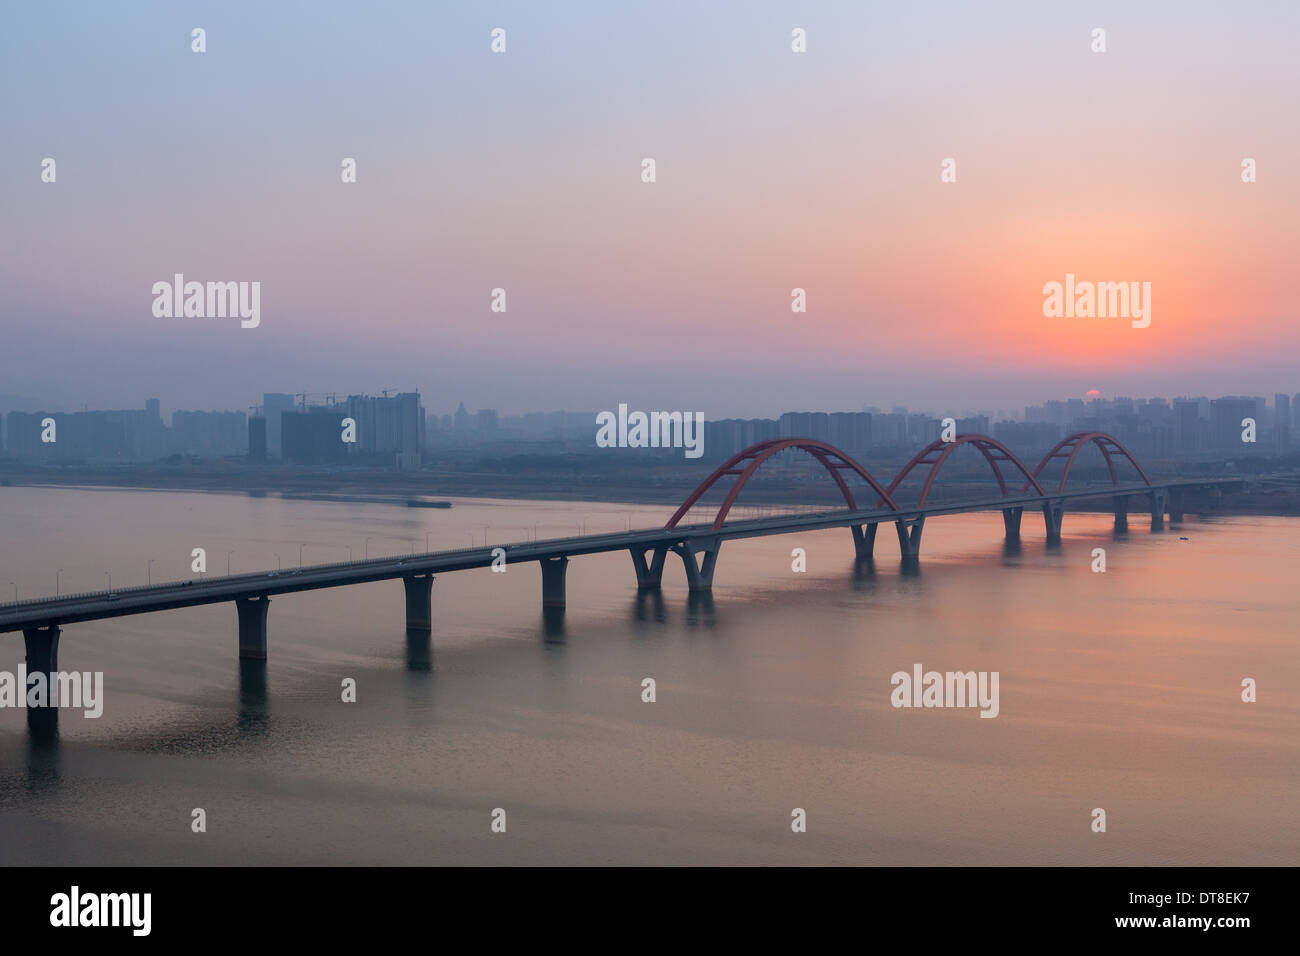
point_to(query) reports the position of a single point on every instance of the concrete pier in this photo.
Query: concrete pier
(43, 658)
(649, 574)
(699, 572)
(1158, 499)
(252, 627)
(1053, 515)
(909, 537)
(1121, 512)
(419, 602)
(1011, 521)
(553, 571)
(864, 540)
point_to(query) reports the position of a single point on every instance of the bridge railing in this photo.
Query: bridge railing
(210, 580)
(251, 577)
(81, 595)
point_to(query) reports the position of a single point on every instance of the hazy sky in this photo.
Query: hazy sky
(775, 170)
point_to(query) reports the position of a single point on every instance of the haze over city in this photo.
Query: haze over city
(775, 172)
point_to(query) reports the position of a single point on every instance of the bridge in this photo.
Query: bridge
(697, 544)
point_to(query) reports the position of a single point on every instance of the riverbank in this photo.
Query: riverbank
(429, 488)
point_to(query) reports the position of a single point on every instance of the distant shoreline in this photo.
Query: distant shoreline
(343, 492)
(397, 488)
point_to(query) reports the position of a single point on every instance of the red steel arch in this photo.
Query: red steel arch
(992, 450)
(1070, 446)
(832, 459)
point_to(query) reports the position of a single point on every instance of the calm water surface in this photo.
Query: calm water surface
(1118, 690)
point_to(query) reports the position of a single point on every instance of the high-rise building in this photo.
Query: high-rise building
(850, 431)
(806, 425)
(257, 438)
(108, 435)
(209, 434)
(975, 425)
(888, 431)
(153, 436)
(274, 404)
(1226, 417)
(1029, 440)
(314, 436)
(1187, 427)
(391, 427)
(921, 429)
(724, 437)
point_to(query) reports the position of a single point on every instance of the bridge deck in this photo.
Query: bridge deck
(211, 590)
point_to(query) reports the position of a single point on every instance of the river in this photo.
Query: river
(1118, 690)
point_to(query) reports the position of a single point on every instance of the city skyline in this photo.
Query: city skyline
(12, 402)
(398, 431)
